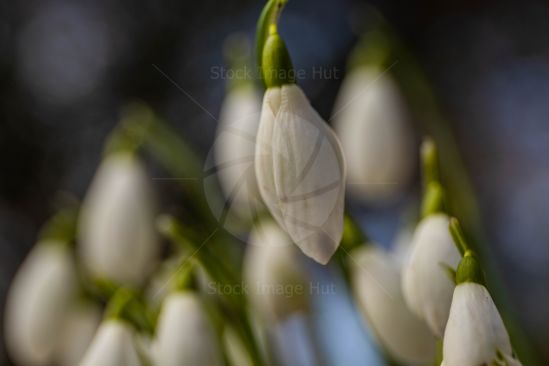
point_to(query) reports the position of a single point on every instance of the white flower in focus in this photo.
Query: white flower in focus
(427, 286)
(276, 278)
(80, 326)
(235, 149)
(300, 171)
(376, 278)
(371, 119)
(475, 333)
(116, 228)
(113, 345)
(184, 335)
(37, 303)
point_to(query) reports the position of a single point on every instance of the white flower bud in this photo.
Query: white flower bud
(235, 149)
(301, 171)
(371, 120)
(184, 335)
(376, 278)
(116, 228)
(113, 345)
(475, 333)
(80, 326)
(275, 277)
(37, 302)
(427, 285)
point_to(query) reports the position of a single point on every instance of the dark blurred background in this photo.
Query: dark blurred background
(67, 68)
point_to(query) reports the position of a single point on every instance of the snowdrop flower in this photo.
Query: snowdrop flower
(475, 333)
(427, 285)
(371, 119)
(274, 274)
(234, 146)
(81, 323)
(184, 335)
(299, 163)
(116, 228)
(113, 345)
(37, 303)
(377, 287)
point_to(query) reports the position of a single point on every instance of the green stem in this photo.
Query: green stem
(458, 236)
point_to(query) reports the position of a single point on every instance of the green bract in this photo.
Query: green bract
(469, 269)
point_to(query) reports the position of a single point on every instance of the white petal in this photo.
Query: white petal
(235, 149)
(185, 337)
(113, 345)
(263, 154)
(376, 284)
(77, 333)
(117, 237)
(372, 121)
(274, 274)
(427, 286)
(302, 175)
(475, 330)
(37, 302)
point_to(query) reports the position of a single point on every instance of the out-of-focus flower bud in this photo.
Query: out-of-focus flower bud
(112, 345)
(116, 228)
(371, 119)
(376, 278)
(427, 282)
(37, 303)
(235, 149)
(184, 335)
(80, 326)
(475, 333)
(276, 280)
(301, 171)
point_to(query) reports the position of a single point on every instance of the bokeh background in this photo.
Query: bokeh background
(68, 67)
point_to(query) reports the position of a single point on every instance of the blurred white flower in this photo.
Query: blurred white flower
(301, 171)
(427, 285)
(184, 334)
(475, 333)
(277, 282)
(37, 303)
(116, 228)
(235, 149)
(376, 278)
(80, 326)
(112, 345)
(371, 119)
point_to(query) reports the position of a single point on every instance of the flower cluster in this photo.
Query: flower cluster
(114, 282)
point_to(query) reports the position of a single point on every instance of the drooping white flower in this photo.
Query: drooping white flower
(301, 171)
(112, 345)
(37, 303)
(376, 277)
(184, 335)
(427, 285)
(475, 333)
(371, 119)
(235, 149)
(116, 228)
(80, 326)
(276, 280)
